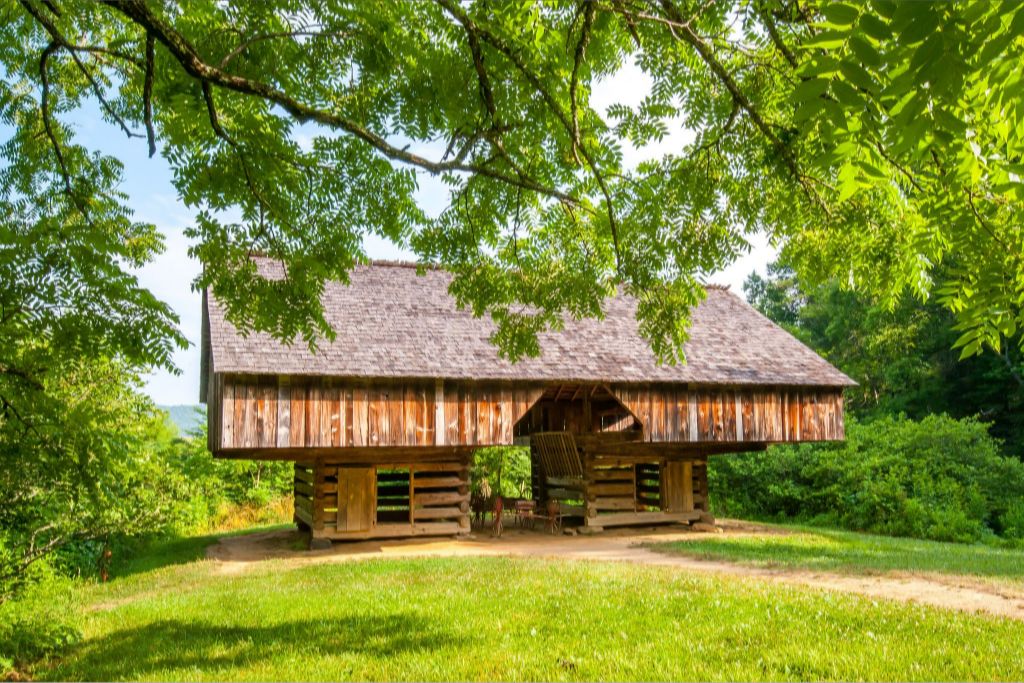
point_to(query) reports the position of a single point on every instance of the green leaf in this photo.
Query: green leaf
(922, 21)
(928, 53)
(875, 27)
(865, 51)
(826, 40)
(839, 14)
(846, 94)
(856, 75)
(848, 181)
(810, 88)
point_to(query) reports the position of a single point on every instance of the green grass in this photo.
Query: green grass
(511, 619)
(847, 551)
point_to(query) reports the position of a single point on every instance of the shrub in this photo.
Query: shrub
(1013, 522)
(40, 623)
(937, 478)
(506, 469)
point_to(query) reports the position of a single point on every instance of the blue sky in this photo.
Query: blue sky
(154, 199)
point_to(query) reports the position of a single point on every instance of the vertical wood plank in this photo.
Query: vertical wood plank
(693, 415)
(396, 421)
(412, 415)
(298, 415)
(314, 436)
(682, 413)
(284, 412)
(269, 388)
(360, 417)
(483, 416)
(503, 417)
(687, 485)
(238, 417)
(340, 417)
(738, 411)
(427, 396)
(349, 416)
(260, 403)
(705, 417)
(453, 415)
(748, 416)
(440, 424)
(250, 414)
(228, 439)
(328, 413)
(729, 415)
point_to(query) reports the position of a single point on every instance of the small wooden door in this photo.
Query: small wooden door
(677, 486)
(357, 498)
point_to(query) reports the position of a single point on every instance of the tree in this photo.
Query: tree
(872, 140)
(90, 463)
(900, 355)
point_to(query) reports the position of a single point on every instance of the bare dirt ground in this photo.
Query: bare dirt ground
(238, 554)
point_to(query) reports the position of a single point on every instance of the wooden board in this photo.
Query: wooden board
(356, 498)
(636, 518)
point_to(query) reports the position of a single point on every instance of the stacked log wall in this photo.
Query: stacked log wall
(342, 501)
(627, 490)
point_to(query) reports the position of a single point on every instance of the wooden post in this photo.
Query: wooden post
(319, 472)
(412, 496)
(687, 484)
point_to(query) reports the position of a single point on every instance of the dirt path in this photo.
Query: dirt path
(237, 554)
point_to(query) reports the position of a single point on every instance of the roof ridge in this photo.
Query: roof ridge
(401, 263)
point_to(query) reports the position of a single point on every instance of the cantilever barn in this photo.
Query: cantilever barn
(382, 422)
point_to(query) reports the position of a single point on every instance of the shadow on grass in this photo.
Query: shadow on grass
(145, 555)
(174, 647)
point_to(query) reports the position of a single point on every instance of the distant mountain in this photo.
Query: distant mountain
(185, 417)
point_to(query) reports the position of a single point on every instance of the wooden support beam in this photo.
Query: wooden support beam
(687, 485)
(636, 518)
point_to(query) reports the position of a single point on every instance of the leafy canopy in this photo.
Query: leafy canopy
(900, 356)
(871, 140)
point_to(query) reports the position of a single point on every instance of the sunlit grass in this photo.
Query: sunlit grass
(513, 619)
(852, 552)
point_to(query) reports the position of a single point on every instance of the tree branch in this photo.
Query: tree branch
(147, 94)
(186, 55)
(581, 49)
(242, 47)
(501, 46)
(44, 108)
(773, 33)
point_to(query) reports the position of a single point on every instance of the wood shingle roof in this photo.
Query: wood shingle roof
(391, 322)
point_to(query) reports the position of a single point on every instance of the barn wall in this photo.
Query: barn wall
(760, 414)
(264, 412)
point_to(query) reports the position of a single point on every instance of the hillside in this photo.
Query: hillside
(185, 417)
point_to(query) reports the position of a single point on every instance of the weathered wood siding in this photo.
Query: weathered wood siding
(249, 412)
(762, 414)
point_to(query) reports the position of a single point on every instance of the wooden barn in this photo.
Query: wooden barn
(382, 422)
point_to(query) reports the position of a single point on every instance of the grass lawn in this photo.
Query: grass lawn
(846, 551)
(510, 619)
